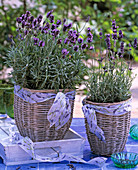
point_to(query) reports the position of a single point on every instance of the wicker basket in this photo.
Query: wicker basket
(31, 119)
(116, 130)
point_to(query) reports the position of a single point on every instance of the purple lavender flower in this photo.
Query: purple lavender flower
(46, 32)
(55, 32)
(28, 13)
(114, 25)
(89, 34)
(76, 47)
(70, 32)
(18, 20)
(135, 43)
(129, 46)
(100, 33)
(44, 23)
(65, 27)
(23, 16)
(69, 25)
(88, 29)
(53, 26)
(23, 24)
(39, 19)
(59, 41)
(51, 18)
(42, 31)
(64, 20)
(114, 28)
(40, 28)
(108, 41)
(80, 40)
(40, 16)
(34, 22)
(58, 22)
(25, 32)
(66, 41)
(49, 13)
(88, 18)
(120, 34)
(36, 40)
(114, 36)
(122, 47)
(31, 18)
(73, 40)
(41, 43)
(47, 26)
(64, 51)
(89, 40)
(91, 48)
(83, 46)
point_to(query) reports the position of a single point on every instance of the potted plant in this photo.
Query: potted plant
(47, 62)
(107, 107)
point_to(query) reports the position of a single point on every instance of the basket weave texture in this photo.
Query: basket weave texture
(116, 130)
(31, 119)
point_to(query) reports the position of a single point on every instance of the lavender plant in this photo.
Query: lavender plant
(47, 54)
(112, 81)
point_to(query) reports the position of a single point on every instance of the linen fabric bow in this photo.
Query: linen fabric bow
(114, 110)
(60, 111)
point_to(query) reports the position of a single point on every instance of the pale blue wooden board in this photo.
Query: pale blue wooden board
(78, 126)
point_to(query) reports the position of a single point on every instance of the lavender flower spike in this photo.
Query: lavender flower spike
(76, 47)
(135, 43)
(120, 34)
(83, 46)
(80, 40)
(49, 13)
(91, 48)
(41, 43)
(64, 51)
(36, 40)
(108, 41)
(88, 29)
(122, 47)
(100, 33)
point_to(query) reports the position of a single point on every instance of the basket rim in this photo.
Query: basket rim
(48, 90)
(86, 101)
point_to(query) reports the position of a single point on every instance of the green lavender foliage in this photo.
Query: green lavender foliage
(38, 67)
(112, 85)
(112, 80)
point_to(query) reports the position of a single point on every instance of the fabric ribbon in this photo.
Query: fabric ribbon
(60, 111)
(28, 146)
(114, 110)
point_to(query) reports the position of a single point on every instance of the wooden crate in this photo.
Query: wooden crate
(13, 154)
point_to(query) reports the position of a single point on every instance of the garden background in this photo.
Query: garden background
(101, 14)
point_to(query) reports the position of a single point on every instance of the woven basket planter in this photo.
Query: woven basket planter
(31, 119)
(116, 130)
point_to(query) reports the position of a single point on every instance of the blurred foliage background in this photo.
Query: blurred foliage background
(101, 14)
